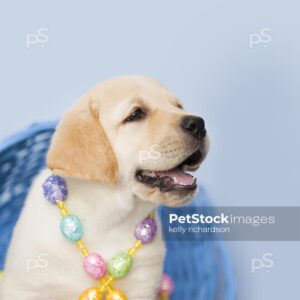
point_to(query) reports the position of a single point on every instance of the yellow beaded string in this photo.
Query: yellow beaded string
(63, 209)
(106, 282)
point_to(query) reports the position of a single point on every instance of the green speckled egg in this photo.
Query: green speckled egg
(120, 265)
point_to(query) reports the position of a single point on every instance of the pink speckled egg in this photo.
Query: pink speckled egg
(167, 285)
(94, 265)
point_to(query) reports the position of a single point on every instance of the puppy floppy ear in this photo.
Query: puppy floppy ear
(80, 148)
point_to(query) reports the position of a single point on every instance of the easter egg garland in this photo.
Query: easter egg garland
(55, 191)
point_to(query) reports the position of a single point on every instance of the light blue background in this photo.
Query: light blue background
(249, 97)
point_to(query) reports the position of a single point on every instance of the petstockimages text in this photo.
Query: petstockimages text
(221, 219)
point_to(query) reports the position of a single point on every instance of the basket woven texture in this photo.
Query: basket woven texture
(200, 270)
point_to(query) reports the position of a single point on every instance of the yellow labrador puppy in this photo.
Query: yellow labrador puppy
(123, 149)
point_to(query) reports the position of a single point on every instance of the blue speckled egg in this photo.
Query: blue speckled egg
(71, 228)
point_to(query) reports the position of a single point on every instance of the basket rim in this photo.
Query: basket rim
(25, 133)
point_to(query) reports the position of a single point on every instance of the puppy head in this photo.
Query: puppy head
(132, 131)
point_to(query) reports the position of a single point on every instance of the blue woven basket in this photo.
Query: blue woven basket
(201, 270)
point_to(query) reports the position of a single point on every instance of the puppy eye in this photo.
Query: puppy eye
(136, 115)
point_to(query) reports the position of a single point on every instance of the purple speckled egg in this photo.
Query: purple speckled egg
(146, 230)
(55, 189)
(94, 265)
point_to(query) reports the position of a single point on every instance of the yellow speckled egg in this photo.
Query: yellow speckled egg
(91, 294)
(116, 295)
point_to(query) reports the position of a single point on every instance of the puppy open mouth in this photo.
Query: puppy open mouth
(175, 179)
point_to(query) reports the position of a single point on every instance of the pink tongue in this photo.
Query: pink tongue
(178, 176)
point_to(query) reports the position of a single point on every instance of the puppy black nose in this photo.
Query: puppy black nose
(195, 126)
